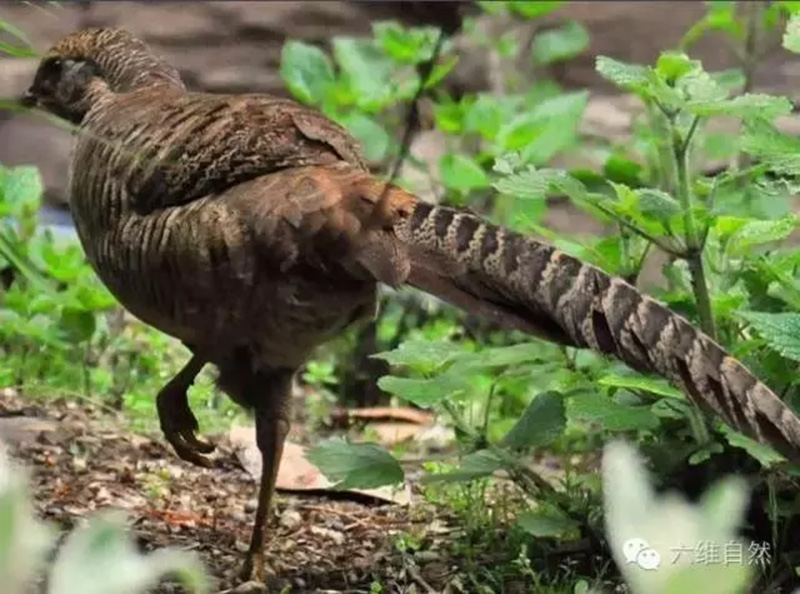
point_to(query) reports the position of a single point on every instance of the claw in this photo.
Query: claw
(177, 420)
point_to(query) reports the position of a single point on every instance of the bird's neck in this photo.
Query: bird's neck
(132, 68)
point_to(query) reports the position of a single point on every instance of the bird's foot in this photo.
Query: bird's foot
(253, 568)
(180, 426)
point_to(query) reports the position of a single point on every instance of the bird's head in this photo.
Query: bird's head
(88, 62)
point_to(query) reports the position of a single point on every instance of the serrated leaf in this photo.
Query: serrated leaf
(781, 331)
(476, 465)
(543, 420)
(779, 151)
(755, 233)
(631, 77)
(545, 523)
(766, 456)
(636, 382)
(307, 71)
(744, 106)
(525, 185)
(791, 37)
(559, 44)
(356, 465)
(423, 392)
(610, 415)
(422, 355)
(496, 357)
(657, 204)
(462, 173)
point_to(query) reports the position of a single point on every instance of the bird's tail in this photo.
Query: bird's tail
(534, 287)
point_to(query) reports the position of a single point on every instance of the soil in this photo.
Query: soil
(82, 459)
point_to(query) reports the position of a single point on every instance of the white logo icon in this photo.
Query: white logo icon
(636, 550)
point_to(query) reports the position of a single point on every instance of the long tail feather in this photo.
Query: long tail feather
(532, 286)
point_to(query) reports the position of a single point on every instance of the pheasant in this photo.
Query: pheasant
(248, 227)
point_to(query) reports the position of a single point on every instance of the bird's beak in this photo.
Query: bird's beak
(29, 99)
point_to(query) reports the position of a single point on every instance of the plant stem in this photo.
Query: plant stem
(694, 247)
(750, 57)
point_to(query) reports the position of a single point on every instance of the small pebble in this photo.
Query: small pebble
(291, 518)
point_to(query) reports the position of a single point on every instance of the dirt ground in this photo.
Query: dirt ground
(82, 459)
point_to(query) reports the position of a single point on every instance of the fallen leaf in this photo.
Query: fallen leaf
(297, 473)
(383, 413)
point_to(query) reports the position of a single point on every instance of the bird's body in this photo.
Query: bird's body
(219, 264)
(249, 228)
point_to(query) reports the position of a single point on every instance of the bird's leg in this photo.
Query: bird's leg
(177, 420)
(272, 426)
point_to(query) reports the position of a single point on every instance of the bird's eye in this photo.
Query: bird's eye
(52, 66)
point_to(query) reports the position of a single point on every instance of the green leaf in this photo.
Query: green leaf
(485, 116)
(766, 456)
(779, 151)
(78, 324)
(411, 45)
(671, 65)
(372, 136)
(356, 465)
(657, 204)
(631, 77)
(744, 106)
(307, 71)
(494, 357)
(781, 331)
(525, 185)
(367, 72)
(542, 132)
(754, 233)
(534, 10)
(640, 382)
(20, 190)
(791, 38)
(473, 466)
(546, 523)
(559, 44)
(26, 50)
(596, 408)
(422, 355)
(424, 392)
(543, 421)
(619, 168)
(462, 173)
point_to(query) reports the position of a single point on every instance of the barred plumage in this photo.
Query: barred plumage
(249, 227)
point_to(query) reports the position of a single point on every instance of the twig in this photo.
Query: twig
(412, 117)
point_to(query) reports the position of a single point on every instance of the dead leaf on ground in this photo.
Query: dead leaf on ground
(297, 473)
(382, 413)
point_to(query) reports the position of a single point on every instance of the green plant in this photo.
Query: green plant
(102, 545)
(728, 268)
